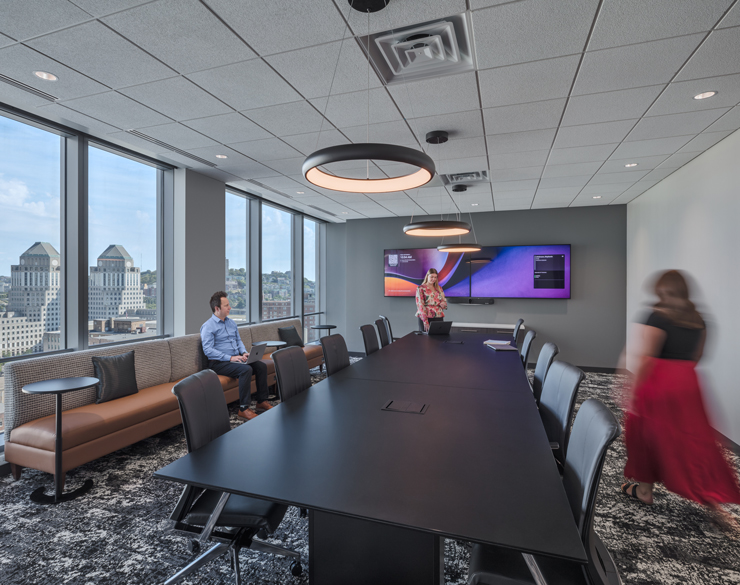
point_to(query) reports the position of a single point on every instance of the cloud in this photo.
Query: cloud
(14, 193)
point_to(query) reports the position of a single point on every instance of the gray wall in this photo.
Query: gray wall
(689, 221)
(199, 247)
(588, 328)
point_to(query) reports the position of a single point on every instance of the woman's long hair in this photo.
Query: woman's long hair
(436, 284)
(674, 302)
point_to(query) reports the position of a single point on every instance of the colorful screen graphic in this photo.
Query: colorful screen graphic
(532, 272)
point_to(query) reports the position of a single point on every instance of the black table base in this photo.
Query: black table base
(40, 496)
(348, 550)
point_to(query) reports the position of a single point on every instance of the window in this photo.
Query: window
(237, 255)
(310, 290)
(277, 260)
(122, 248)
(30, 229)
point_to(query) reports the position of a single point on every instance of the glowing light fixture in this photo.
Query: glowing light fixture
(705, 95)
(459, 248)
(221, 156)
(628, 165)
(437, 228)
(597, 196)
(45, 75)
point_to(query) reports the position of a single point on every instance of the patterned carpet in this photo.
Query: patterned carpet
(117, 534)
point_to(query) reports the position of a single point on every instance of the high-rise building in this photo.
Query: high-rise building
(33, 300)
(115, 285)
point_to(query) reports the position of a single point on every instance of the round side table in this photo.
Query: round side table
(326, 328)
(270, 343)
(58, 387)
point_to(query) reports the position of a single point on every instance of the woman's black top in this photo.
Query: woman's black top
(681, 343)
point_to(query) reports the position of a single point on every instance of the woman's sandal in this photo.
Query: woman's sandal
(629, 489)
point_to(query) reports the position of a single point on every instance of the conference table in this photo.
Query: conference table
(431, 437)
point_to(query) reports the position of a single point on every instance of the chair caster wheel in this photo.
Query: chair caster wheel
(304, 513)
(194, 546)
(296, 568)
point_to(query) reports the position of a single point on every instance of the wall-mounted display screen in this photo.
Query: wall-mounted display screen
(525, 272)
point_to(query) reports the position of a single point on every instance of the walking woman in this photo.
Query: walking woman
(667, 431)
(430, 300)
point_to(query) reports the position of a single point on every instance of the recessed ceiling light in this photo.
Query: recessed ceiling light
(299, 192)
(221, 156)
(474, 204)
(45, 76)
(344, 213)
(597, 196)
(705, 95)
(631, 165)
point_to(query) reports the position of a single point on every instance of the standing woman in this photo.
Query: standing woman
(667, 431)
(430, 300)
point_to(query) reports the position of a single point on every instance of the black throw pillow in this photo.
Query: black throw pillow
(117, 376)
(290, 336)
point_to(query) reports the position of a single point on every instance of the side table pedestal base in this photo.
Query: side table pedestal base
(41, 497)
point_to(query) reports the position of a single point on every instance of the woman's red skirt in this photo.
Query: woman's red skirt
(669, 438)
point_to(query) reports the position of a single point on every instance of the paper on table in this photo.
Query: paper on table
(502, 347)
(496, 342)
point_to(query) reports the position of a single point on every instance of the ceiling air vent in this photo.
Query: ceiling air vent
(28, 88)
(324, 211)
(423, 51)
(179, 151)
(268, 188)
(467, 178)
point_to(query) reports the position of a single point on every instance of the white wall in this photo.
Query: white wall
(690, 221)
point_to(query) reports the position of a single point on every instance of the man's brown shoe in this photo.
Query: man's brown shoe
(263, 406)
(246, 414)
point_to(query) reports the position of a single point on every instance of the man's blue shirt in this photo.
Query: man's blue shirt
(221, 339)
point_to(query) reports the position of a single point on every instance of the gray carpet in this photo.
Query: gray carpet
(117, 533)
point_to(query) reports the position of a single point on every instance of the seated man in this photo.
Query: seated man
(227, 356)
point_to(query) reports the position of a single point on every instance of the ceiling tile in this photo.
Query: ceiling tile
(729, 122)
(557, 193)
(505, 186)
(592, 134)
(678, 160)
(518, 160)
(442, 95)
(177, 98)
(527, 82)
(513, 205)
(644, 162)
(350, 109)
(246, 85)
(396, 169)
(530, 30)
(5, 41)
(605, 189)
(228, 128)
(63, 115)
(235, 159)
(635, 191)
(116, 109)
(520, 141)
(462, 165)
(288, 119)
(732, 18)
(674, 124)
(19, 62)
(679, 96)
(460, 125)
(655, 147)
(523, 117)
(520, 195)
(508, 175)
(141, 145)
(634, 65)
(659, 174)
(273, 27)
(23, 19)
(266, 150)
(625, 176)
(571, 170)
(626, 22)
(178, 135)
(576, 181)
(387, 132)
(539, 203)
(103, 7)
(98, 52)
(286, 185)
(460, 148)
(406, 13)
(182, 33)
(312, 70)
(564, 156)
(625, 104)
(716, 56)
(704, 141)
(312, 141)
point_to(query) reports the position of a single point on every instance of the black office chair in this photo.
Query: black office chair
(390, 331)
(594, 430)
(517, 327)
(199, 513)
(544, 361)
(370, 339)
(336, 356)
(526, 346)
(382, 332)
(556, 405)
(291, 372)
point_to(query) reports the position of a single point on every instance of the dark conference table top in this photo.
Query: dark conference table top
(476, 466)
